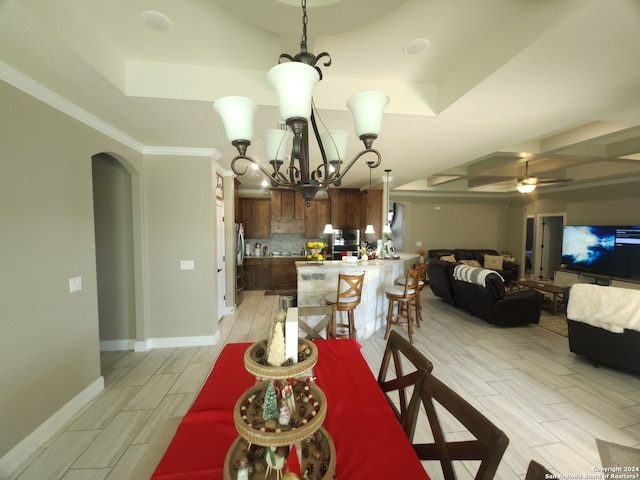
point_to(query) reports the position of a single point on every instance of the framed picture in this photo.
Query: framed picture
(219, 186)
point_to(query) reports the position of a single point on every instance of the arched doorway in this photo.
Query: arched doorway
(115, 252)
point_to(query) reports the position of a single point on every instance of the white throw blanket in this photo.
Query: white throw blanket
(470, 274)
(611, 308)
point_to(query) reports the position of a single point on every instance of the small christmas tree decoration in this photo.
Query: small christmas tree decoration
(277, 347)
(270, 407)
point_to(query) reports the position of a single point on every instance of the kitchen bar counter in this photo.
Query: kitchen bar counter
(316, 280)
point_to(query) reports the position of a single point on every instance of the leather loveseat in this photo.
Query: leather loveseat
(491, 302)
(508, 270)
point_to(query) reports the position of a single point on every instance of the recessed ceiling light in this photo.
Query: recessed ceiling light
(156, 20)
(416, 47)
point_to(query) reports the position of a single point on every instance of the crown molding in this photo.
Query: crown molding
(38, 91)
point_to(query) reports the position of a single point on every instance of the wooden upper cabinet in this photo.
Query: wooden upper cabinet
(256, 216)
(345, 207)
(376, 214)
(287, 212)
(316, 217)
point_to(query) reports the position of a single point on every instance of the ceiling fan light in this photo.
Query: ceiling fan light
(294, 83)
(237, 116)
(523, 187)
(334, 143)
(367, 108)
(276, 142)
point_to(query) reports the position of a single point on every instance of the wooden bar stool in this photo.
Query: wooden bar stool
(402, 296)
(422, 277)
(346, 299)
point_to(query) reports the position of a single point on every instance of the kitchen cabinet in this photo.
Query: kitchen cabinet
(256, 217)
(345, 207)
(287, 211)
(257, 273)
(269, 273)
(316, 217)
(284, 275)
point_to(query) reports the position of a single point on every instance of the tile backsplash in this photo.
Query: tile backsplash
(280, 242)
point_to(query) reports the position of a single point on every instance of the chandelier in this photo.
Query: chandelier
(293, 80)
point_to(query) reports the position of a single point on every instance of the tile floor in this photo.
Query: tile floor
(551, 404)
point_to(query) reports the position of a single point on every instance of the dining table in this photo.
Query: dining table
(369, 440)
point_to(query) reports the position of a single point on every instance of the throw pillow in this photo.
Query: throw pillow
(471, 263)
(448, 258)
(493, 262)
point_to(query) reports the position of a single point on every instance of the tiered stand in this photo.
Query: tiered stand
(313, 443)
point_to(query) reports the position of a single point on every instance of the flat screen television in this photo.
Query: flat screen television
(611, 250)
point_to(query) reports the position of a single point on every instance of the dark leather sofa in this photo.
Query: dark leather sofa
(509, 271)
(492, 303)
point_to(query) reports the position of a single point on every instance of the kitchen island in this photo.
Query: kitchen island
(316, 280)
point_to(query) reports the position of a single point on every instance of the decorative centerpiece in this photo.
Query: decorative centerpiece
(280, 417)
(314, 251)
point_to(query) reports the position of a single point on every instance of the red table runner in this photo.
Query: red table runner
(368, 438)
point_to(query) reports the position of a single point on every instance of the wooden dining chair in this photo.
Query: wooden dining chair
(407, 361)
(346, 299)
(437, 398)
(317, 320)
(535, 471)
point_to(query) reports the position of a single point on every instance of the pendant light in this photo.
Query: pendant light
(369, 230)
(387, 227)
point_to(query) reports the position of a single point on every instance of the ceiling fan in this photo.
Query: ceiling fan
(528, 183)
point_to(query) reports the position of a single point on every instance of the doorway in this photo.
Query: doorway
(548, 246)
(113, 223)
(220, 260)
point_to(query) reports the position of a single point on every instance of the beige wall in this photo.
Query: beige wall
(49, 338)
(179, 211)
(454, 223)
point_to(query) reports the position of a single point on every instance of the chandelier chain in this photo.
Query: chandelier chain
(305, 20)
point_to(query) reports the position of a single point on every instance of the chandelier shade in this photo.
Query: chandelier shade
(237, 117)
(367, 108)
(293, 83)
(334, 143)
(276, 143)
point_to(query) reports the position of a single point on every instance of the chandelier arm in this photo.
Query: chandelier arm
(316, 133)
(269, 174)
(370, 164)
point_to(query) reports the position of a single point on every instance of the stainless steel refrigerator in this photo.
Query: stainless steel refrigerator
(240, 247)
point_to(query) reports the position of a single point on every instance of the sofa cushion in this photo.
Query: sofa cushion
(493, 262)
(471, 263)
(448, 258)
(438, 253)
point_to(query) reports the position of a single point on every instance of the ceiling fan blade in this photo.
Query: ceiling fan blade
(556, 181)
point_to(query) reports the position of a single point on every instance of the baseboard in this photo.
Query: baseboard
(116, 345)
(15, 457)
(174, 342)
